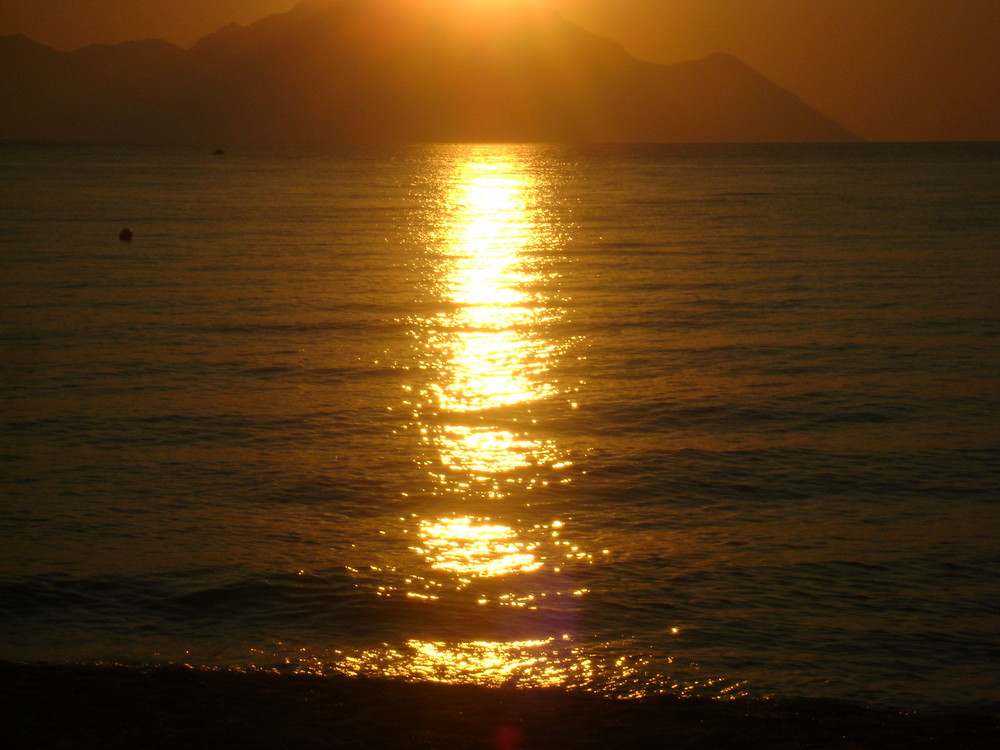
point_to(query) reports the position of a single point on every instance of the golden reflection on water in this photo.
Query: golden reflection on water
(485, 363)
(527, 663)
(486, 343)
(487, 340)
(486, 585)
(542, 662)
(490, 360)
(474, 549)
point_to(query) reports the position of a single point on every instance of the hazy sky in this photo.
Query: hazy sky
(886, 69)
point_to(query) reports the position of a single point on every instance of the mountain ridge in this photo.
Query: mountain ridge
(383, 71)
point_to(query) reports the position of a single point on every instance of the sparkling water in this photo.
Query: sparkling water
(713, 420)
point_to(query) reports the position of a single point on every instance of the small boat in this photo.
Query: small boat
(219, 152)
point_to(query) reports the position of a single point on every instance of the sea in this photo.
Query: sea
(708, 420)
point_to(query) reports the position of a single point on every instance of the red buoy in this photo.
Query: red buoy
(125, 235)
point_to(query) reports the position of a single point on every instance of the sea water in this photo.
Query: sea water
(713, 420)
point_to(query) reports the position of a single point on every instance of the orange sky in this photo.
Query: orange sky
(886, 69)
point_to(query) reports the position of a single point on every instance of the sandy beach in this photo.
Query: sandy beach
(74, 706)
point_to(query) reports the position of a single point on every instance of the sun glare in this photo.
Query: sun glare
(485, 345)
(475, 549)
(543, 662)
(485, 361)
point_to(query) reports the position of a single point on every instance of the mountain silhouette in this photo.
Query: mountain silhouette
(392, 71)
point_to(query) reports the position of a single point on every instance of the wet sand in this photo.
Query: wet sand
(72, 706)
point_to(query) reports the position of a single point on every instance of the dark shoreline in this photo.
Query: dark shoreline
(90, 706)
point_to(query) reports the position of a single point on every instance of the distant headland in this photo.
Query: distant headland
(377, 71)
